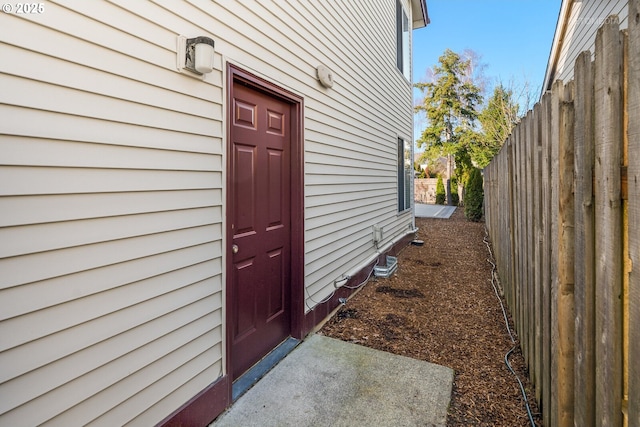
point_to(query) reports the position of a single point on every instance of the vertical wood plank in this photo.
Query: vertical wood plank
(537, 270)
(502, 171)
(518, 213)
(633, 179)
(524, 281)
(506, 241)
(584, 244)
(529, 244)
(557, 94)
(512, 222)
(546, 255)
(626, 265)
(608, 223)
(572, 288)
(565, 236)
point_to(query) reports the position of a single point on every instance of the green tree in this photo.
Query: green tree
(450, 105)
(441, 195)
(474, 196)
(497, 119)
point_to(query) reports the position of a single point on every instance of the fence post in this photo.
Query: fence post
(545, 158)
(566, 215)
(584, 244)
(518, 228)
(608, 221)
(633, 174)
(524, 284)
(512, 224)
(557, 96)
(537, 236)
(531, 147)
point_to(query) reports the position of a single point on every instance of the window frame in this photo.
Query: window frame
(403, 41)
(405, 174)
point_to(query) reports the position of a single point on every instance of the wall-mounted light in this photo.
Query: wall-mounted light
(196, 54)
(324, 75)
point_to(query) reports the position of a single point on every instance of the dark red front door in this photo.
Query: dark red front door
(260, 228)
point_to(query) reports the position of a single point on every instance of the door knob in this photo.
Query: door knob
(234, 248)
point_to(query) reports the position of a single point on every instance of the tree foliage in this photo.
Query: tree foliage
(497, 118)
(457, 121)
(450, 104)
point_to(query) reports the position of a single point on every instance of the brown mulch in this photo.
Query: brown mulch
(440, 307)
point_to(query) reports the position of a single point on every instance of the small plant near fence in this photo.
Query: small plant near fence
(455, 197)
(474, 197)
(441, 195)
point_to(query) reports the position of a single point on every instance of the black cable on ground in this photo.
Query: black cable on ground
(506, 322)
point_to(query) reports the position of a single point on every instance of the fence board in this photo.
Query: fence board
(633, 173)
(608, 222)
(546, 254)
(524, 278)
(570, 235)
(529, 243)
(524, 332)
(584, 244)
(626, 265)
(519, 229)
(564, 302)
(512, 224)
(537, 254)
(556, 112)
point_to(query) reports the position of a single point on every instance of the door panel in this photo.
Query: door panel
(245, 317)
(245, 188)
(276, 293)
(260, 246)
(274, 188)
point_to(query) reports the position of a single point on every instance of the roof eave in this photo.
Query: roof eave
(420, 14)
(556, 45)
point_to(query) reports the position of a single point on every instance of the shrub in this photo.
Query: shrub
(441, 195)
(455, 197)
(474, 196)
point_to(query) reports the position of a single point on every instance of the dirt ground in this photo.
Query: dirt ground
(440, 307)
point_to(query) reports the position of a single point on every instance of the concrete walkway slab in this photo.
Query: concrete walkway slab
(325, 381)
(433, 211)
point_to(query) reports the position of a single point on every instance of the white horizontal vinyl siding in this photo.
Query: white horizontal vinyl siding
(580, 35)
(339, 232)
(111, 172)
(351, 130)
(112, 198)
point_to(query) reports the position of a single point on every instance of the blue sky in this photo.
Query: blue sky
(513, 37)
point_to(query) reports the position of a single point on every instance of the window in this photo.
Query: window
(402, 41)
(405, 175)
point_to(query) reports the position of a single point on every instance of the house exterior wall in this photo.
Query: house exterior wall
(576, 32)
(112, 193)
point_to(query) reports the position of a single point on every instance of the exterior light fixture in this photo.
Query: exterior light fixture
(196, 54)
(325, 76)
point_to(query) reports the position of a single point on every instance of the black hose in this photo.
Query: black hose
(524, 394)
(504, 313)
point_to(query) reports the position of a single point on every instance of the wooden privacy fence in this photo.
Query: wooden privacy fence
(562, 207)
